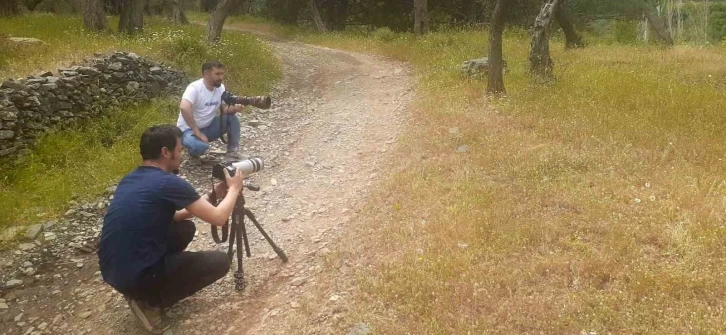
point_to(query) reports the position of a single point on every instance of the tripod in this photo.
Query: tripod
(238, 233)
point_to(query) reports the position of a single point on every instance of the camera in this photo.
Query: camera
(261, 101)
(246, 166)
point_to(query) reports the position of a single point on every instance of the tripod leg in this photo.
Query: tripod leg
(239, 276)
(232, 232)
(277, 249)
(244, 235)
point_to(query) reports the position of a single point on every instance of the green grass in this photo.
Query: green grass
(594, 203)
(81, 162)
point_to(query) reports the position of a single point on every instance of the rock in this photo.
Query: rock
(462, 245)
(477, 67)
(111, 189)
(42, 326)
(25, 40)
(360, 329)
(462, 149)
(4, 305)
(454, 130)
(49, 236)
(58, 318)
(5, 134)
(85, 315)
(33, 231)
(117, 66)
(49, 225)
(299, 281)
(18, 317)
(26, 246)
(294, 304)
(27, 264)
(253, 123)
(273, 182)
(334, 297)
(13, 283)
(132, 86)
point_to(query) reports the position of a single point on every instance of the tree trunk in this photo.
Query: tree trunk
(316, 16)
(94, 16)
(572, 38)
(131, 18)
(540, 62)
(177, 12)
(421, 17)
(9, 7)
(496, 67)
(217, 18)
(656, 22)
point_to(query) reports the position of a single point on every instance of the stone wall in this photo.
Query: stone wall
(31, 106)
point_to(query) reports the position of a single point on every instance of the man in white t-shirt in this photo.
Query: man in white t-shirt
(198, 118)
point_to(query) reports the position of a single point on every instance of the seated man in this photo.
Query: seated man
(198, 119)
(145, 231)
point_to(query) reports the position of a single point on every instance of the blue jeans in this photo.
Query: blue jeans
(197, 147)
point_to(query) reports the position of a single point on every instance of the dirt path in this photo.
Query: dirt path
(335, 117)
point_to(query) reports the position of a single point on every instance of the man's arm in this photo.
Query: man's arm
(186, 110)
(220, 189)
(232, 109)
(218, 215)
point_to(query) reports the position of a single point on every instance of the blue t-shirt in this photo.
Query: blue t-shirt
(136, 226)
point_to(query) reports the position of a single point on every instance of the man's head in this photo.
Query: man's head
(162, 145)
(213, 73)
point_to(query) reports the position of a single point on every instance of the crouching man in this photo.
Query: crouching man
(146, 230)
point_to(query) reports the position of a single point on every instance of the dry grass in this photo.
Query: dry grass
(593, 204)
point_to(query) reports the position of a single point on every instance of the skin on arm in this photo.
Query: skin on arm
(186, 110)
(216, 215)
(220, 190)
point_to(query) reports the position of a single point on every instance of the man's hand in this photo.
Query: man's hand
(234, 109)
(234, 183)
(202, 137)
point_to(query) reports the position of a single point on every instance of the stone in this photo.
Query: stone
(5, 134)
(42, 326)
(26, 246)
(117, 66)
(454, 130)
(360, 329)
(4, 305)
(49, 225)
(294, 304)
(462, 149)
(33, 231)
(18, 317)
(477, 67)
(299, 281)
(132, 86)
(13, 283)
(25, 40)
(58, 318)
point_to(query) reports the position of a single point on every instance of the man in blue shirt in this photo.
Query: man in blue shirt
(146, 230)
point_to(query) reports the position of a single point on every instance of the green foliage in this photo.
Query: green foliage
(718, 21)
(625, 32)
(384, 34)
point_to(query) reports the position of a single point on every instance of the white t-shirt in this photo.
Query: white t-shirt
(204, 104)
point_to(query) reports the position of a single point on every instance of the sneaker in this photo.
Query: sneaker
(195, 160)
(150, 317)
(232, 156)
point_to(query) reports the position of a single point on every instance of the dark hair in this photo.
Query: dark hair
(212, 64)
(157, 137)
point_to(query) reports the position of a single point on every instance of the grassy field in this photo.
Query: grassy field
(76, 162)
(593, 204)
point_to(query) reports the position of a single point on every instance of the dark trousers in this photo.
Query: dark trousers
(180, 273)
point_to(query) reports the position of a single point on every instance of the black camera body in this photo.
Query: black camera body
(218, 170)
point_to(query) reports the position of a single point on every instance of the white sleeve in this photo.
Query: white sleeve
(190, 94)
